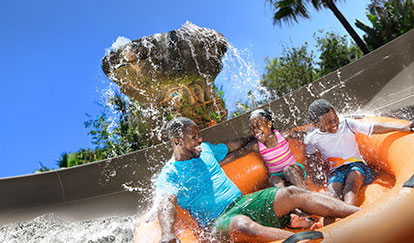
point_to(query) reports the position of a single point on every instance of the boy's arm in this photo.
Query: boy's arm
(379, 128)
(296, 134)
(230, 157)
(317, 168)
(238, 143)
(167, 214)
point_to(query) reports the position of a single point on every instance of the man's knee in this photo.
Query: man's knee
(291, 192)
(242, 225)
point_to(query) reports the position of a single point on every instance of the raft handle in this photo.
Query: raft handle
(304, 235)
(409, 182)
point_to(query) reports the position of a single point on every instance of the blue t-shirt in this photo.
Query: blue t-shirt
(200, 184)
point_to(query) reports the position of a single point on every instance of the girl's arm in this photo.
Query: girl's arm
(379, 128)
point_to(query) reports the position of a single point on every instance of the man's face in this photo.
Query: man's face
(189, 145)
(328, 122)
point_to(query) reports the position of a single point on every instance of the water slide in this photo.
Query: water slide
(381, 82)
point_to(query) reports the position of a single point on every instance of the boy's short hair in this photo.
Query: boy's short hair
(176, 126)
(319, 108)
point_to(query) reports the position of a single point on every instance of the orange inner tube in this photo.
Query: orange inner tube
(388, 208)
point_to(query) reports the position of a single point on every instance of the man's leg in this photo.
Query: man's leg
(292, 197)
(353, 184)
(243, 229)
(295, 175)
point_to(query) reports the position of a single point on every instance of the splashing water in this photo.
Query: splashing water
(239, 77)
(52, 228)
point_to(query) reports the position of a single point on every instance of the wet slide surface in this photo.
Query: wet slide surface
(381, 82)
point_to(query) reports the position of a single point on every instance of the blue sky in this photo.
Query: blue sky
(50, 73)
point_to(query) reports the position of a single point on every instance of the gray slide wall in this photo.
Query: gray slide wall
(379, 82)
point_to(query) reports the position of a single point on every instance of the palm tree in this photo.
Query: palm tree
(389, 19)
(290, 11)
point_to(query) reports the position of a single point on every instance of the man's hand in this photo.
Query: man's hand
(167, 215)
(169, 238)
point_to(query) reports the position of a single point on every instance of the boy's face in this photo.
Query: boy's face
(189, 146)
(328, 122)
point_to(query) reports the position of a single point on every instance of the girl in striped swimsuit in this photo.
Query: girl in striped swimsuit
(278, 158)
(275, 151)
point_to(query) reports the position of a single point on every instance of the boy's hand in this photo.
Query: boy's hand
(409, 127)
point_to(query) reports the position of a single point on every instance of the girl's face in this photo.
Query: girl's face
(260, 128)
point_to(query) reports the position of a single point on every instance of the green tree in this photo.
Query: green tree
(297, 67)
(42, 168)
(292, 70)
(389, 19)
(247, 106)
(83, 156)
(290, 11)
(335, 52)
(120, 128)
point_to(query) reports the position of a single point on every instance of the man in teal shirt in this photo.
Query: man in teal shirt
(194, 180)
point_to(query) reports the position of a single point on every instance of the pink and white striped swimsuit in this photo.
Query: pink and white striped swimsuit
(279, 157)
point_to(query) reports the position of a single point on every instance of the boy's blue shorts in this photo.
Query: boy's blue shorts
(339, 175)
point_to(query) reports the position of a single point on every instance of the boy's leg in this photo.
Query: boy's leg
(335, 190)
(353, 184)
(289, 198)
(295, 175)
(243, 229)
(336, 182)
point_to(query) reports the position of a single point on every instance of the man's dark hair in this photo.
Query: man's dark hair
(267, 115)
(319, 108)
(176, 126)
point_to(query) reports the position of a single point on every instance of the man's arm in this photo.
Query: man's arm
(379, 128)
(238, 143)
(317, 168)
(230, 157)
(167, 214)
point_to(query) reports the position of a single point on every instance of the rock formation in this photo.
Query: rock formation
(172, 73)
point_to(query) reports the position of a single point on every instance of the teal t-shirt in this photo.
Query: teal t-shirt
(200, 184)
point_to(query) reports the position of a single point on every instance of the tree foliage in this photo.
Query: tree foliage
(248, 105)
(335, 52)
(389, 19)
(290, 11)
(297, 67)
(119, 129)
(293, 69)
(83, 156)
